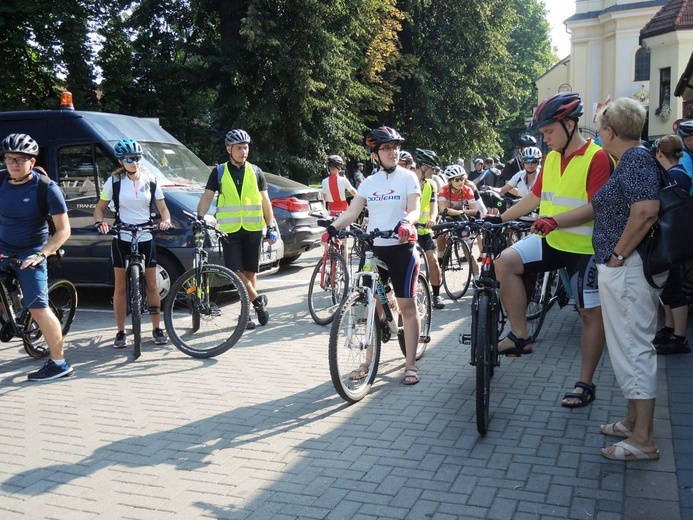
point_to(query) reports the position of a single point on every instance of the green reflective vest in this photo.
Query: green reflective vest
(244, 210)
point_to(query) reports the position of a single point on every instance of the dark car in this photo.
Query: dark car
(296, 208)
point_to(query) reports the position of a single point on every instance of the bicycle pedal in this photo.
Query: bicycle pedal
(465, 339)
(424, 339)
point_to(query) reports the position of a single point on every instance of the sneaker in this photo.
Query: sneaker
(262, 314)
(674, 345)
(50, 371)
(438, 302)
(120, 340)
(663, 335)
(159, 337)
(250, 325)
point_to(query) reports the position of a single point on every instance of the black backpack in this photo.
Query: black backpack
(116, 197)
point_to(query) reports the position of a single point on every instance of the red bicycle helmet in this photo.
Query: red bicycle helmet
(564, 105)
(379, 136)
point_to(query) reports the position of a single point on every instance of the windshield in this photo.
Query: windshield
(174, 165)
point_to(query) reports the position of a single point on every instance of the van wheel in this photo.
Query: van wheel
(167, 272)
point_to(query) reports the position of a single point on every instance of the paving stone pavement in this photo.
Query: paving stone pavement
(259, 432)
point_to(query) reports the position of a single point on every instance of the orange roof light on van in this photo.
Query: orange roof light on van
(66, 101)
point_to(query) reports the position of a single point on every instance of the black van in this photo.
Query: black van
(76, 149)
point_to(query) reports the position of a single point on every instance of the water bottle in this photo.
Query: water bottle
(368, 262)
(392, 302)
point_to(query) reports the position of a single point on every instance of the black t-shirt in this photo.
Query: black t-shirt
(511, 169)
(237, 176)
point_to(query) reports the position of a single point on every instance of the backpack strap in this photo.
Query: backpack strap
(116, 198)
(220, 173)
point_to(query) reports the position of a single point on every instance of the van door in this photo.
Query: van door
(82, 169)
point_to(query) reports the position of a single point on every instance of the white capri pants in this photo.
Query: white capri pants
(629, 308)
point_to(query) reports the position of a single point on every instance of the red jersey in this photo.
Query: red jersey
(456, 199)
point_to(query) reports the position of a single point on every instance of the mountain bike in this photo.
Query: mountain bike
(358, 330)
(488, 316)
(15, 318)
(208, 307)
(458, 263)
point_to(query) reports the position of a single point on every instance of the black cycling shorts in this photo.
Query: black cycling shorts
(242, 250)
(402, 270)
(426, 242)
(120, 249)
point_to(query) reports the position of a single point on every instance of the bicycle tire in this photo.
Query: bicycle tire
(62, 300)
(484, 362)
(208, 318)
(539, 304)
(347, 353)
(328, 287)
(423, 307)
(136, 309)
(456, 268)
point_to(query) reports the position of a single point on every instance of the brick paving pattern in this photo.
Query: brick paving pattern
(259, 432)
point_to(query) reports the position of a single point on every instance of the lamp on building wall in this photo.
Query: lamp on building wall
(565, 87)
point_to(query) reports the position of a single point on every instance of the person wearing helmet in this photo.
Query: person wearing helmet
(133, 191)
(358, 177)
(521, 183)
(24, 233)
(478, 169)
(515, 165)
(429, 214)
(406, 160)
(243, 209)
(334, 187)
(490, 176)
(392, 197)
(573, 172)
(685, 132)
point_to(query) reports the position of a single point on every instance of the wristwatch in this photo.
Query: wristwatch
(620, 258)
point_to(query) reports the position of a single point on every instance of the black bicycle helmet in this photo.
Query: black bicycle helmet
(424, 156)
(379, 136)
(685, 128)
(237, 136)
(127, 147)
(561, 106)
(19, 143)
(526, 140)
(406, 157)
(335, 160)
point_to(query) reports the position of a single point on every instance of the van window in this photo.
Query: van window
(79, 167)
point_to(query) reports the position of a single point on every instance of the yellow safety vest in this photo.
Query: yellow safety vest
(245, 211)
(562, 193)
(426, 192)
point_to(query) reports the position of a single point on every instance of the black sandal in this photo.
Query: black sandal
(586, 397)
(522, 346)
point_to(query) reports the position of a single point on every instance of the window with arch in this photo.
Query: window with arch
(642, 64)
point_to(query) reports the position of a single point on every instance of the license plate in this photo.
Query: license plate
(267, 257)
(316, 206)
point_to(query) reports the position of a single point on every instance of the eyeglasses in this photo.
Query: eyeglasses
(130, 160)
(457, 179)
(388, 148)
(531, 161)
(17, 160)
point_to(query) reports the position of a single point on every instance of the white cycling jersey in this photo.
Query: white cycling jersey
(386, 199)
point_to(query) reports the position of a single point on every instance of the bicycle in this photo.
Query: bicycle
(357, 332)
(488, 315)
(551, 287)
(16, 320)
(208, 307)
(457, 264)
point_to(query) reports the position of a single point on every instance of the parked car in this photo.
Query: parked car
(76, 149)
(296, 208)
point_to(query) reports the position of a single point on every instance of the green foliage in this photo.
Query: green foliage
(305, 78)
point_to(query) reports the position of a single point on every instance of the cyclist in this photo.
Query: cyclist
(406, 160)
(243, 208)
(335, 185)
(358, 176)
(516, 164)
(130, 187)
(478, 170)
(426, 160)
(392, 195)
(490, 176)
(24, 233)
(574, 171)
(685, 132)
(521, 183)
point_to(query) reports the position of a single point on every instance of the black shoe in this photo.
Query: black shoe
(663, 335)
(262, 314)
(250, 325)
(159, 337)
(438, 302)
(50, 371)
(674, 345)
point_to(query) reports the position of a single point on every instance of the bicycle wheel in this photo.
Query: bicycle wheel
(62, 300)
(328, 288)
(423, 308)
(484, 362)
(136, 309)
(208, 313)
(539, 302)
(456, 268)
(353, 364)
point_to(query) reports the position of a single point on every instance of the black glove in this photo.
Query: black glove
(331, 231)
(493, 219)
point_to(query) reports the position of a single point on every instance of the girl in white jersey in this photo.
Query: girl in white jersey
(392, 196)
(134, 199)
(334, 187)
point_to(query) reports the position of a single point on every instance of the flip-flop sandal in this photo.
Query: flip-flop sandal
(522, 346)
(625, 451)
(586, 397)
(360, 373)
(615, 429)
(411, 376)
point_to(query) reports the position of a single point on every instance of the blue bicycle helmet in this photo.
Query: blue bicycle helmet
(237, 136)
(685, 128)
(127, 147)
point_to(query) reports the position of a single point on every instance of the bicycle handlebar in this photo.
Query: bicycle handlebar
(368, 236)
(196, 221)
(117, 228)
(480, 224)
